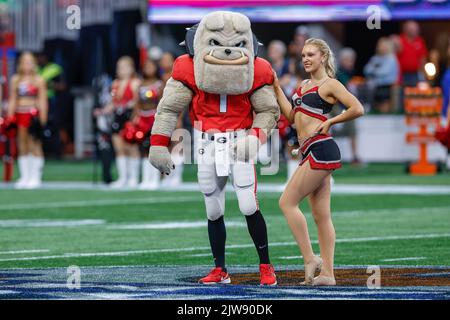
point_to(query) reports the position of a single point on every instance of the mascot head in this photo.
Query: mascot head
(224, 49)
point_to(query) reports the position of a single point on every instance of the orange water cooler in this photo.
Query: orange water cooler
(423, 109)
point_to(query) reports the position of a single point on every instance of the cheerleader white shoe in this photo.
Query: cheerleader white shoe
(132, 183)
(35, 173)
(148, 186)
(118, 184)
(122, 169)
(21, 183)
(24, 163)
(133, 172)
(33, 184)
(150, 176)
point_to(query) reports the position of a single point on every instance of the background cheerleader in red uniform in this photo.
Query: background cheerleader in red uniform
(124, 93)
(28, 107)
(150, 91)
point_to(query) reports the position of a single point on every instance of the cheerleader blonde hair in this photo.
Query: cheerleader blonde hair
(20, 62)
(324, 48)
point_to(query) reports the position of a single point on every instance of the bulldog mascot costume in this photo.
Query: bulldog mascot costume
(233, 108)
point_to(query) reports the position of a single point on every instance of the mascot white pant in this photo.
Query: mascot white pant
(215, 166)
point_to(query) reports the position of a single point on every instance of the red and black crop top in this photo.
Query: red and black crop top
(123, 99)
(311, 103)
(27, 89)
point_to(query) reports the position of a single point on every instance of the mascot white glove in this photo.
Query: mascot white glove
(246, 149)
(160, 158)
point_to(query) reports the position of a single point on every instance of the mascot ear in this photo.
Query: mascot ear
(189, 40)
(256, 45)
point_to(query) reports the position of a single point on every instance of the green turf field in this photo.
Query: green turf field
(378, 173)
(371, 229)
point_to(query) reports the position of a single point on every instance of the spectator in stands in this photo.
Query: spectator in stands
(445, 85)
(411, 54)
(276, 52)
(301, 35)
(446, 107)
(289, 82)
(53, 74)
(295, 51)
(439, 56)
(345, 73)
(155, 53)
(382, 72)
(346, 67)
(166, 65)
(2, 82)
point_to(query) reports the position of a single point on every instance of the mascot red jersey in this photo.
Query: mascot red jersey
(221, 112)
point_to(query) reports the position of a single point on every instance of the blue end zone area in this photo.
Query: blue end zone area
(170, 282)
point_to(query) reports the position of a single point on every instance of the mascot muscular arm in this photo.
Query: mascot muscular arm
(267, 112)
(175, 98)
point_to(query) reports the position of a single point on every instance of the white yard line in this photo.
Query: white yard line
(106, 254)
(24, 251)
(337, 188)
(205, 254)
(349, 189)
(45, 223)
(291, 257)
(186, 224)
(404, 259)
(173, 225)
(181, 199)
(236, 246)
(99, 203)
(389, 189)
(404, 237)
(391, 211)
(354, 213)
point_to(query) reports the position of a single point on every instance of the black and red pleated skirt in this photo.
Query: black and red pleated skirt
(322, 152)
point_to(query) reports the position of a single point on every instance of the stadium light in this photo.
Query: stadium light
(430, 70)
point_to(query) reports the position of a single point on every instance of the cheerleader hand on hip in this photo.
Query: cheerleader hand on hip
(324, 127)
